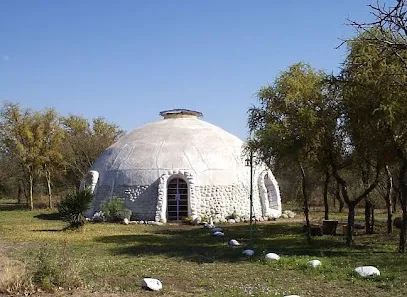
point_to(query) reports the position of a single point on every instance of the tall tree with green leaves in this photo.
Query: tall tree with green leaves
(375, 100)
(51, 154)
(292, 122)
(23, 137)
(84, 143)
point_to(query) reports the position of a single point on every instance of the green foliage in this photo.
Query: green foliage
(112, 207)
(72, 209)
(295, 118)
(233, 215)
(124, 214)
(187, 220)
(84, 142)
(22, 135)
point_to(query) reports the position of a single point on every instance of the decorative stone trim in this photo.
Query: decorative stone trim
(161, 212)
(263, 192)
(90, 180)
(270, 202)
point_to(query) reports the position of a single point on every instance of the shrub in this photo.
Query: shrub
(124, 214)
(112, 207)
(72, 209)
(234, 215)
(187, 220)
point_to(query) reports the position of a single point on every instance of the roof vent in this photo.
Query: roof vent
(180, 113)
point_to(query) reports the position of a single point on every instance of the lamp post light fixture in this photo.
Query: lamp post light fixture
(249, 163)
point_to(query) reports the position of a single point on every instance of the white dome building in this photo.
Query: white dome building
(181, 166)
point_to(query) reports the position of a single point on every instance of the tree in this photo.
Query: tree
(51, 155)
(84, 143)
(388, 31)
(22, 136)
(9, 175)
(292, 123)
(374, 96)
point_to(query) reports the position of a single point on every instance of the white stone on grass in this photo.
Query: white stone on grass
(216, 229)
(218, 234)
(152, 284)
(248, 253)
(292, 296)
(314, 263)
(272, 256)
(234, 242)
(365, 271)
(208, 226)
(126, 221)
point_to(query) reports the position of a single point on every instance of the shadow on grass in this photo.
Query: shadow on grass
(197, 245)
(49, 216)
(12, 206)
(48, 230)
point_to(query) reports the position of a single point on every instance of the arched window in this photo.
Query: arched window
(271, 192)
(177, 199)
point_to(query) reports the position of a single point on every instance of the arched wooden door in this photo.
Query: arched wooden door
(177, 199)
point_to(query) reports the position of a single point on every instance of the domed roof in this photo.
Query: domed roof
(180, 142)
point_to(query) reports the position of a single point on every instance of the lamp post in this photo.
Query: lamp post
(249, 162)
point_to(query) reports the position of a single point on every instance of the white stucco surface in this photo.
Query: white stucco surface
(140, 164)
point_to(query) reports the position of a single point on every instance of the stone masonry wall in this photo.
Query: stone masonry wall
(221, 201)
(141, 200)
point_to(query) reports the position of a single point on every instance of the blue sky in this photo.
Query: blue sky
(128, 60)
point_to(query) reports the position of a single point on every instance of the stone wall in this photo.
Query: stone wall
(218, 202)
(221, 201)
(141, 200)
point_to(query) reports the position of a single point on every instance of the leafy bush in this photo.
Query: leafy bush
(124, 214)
(112, 207)
(234, 215)
(72, 209)
(187, 220)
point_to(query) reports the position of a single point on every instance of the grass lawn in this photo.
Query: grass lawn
(112, 259)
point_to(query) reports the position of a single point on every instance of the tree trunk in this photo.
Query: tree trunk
(372, 219)
(368, 203)
(353, 202)
(402, 244)
(339, 197)
(403, 204)
(369, 216)
(48, 177)
(306, 205)
(389, 195)
(31, 200)
(351, 224)
(19, 193)
(326, 205)
(396, 197)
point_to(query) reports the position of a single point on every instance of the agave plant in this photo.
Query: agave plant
(72, 209)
